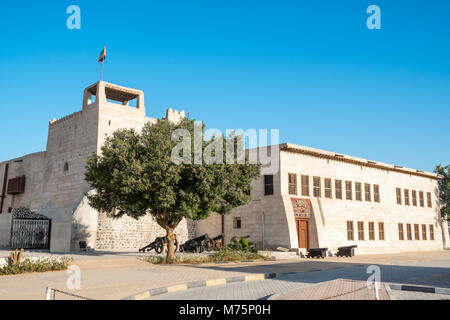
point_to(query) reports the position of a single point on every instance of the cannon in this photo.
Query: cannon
(218, 242)
(317, 253)
(159, 244)
(83, 245)
(198, 244)
(347, 251)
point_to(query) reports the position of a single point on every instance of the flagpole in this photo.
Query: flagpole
(102, 60)
(101, 75)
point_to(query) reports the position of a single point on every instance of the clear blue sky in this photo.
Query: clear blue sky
(309, 68)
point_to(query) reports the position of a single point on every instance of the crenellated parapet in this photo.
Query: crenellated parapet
(174, 115)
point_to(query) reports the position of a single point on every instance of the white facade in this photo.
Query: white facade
(270, 220)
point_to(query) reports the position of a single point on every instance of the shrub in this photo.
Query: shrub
(178, 259)
(242, 245)
(229, 254)
(225, 254)
(38, 265)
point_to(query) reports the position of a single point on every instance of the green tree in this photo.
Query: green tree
(135, 175)
(444, 190)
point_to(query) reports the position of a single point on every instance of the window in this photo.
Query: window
(376, 193)
(400, 232)
(414, 197)
(348, 190)
(422, 204)
(367, 191)
(316, 186)
(407, 197)
(305, 185)
(408, 231)
(358, 195)
(292, 177)
(327, 188)
(371, 231)
(424, 232)
(416, 232)
(399, 195)
(350, 230)
(338, 189)
(66, 166)
(9, 209)
(268, 184)
(431, 232)
(380, 230)
(360, 230)
(237, 223)
(429, 199)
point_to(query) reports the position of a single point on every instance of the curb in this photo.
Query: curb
(424, 289)
(200, 283)
(389, 291)
(208, 283)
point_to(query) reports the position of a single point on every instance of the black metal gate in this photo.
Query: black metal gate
(30, 233)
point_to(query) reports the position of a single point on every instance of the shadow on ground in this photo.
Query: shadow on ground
(314, 272)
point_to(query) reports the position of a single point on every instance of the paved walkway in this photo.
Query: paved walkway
(338, 289)
(117, 275)
(412, 295)
(429, 272)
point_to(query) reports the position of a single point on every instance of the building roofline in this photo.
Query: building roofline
(116, 87)
(289, 147)
(22, 157)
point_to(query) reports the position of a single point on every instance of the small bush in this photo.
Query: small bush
(39, 265)
(229, 254)
(179, 259)
(243, 245)
(225, 254)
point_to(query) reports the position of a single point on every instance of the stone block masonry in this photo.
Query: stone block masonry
(130, 233)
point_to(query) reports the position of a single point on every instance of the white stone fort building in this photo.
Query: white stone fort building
(52, 182)
(321, 199)
(315, 199)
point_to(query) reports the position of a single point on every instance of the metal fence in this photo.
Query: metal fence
(30, 233)
(52, 294)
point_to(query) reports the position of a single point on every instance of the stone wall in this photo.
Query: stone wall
(212, 226)
(192, 228)
(129, 233)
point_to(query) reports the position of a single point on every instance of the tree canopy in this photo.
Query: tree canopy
(135, 174)
(444, 190)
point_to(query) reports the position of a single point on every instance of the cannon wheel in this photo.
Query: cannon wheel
(218, 244)
(208, 244)
(159, 246)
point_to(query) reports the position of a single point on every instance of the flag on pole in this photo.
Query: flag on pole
(102, 55)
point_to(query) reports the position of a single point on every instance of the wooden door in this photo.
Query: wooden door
(302, 233)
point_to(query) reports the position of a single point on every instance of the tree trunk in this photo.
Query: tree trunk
(170, 243)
